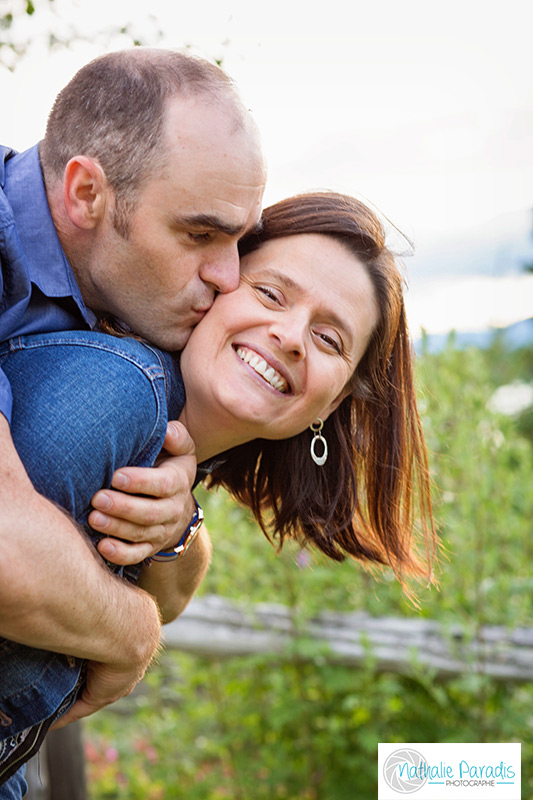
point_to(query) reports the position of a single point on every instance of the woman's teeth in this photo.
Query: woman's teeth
(262, 368)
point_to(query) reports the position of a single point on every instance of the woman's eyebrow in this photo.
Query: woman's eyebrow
(289, 283)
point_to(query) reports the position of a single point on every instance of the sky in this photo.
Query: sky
(423, 109)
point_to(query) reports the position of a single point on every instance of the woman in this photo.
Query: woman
(315, 337)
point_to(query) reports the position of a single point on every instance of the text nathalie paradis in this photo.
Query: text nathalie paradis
(465, 769)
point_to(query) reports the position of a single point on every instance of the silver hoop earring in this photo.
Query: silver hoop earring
(316, 427)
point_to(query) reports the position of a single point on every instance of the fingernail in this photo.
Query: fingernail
(172, 430)
(120, 480)
(107, 548)
(102, 501)
(99, 520)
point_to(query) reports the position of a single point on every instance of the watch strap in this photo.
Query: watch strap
(186, 539)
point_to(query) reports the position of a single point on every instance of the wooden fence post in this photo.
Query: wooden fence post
(37, 778)
(66, 763)
(57, 772)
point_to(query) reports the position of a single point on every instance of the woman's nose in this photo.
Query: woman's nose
(289, 331)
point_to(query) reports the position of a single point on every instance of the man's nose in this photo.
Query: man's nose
(222, 271)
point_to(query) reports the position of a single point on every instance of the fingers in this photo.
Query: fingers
(172, 474)
(79, 710)
(175, 470)
(178, 441)
(122, 515)
(122, 553)
(155, 520)
(105, 684)
(171, 478)
(141, 521)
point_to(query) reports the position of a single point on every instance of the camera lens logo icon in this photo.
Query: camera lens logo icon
(398, 769)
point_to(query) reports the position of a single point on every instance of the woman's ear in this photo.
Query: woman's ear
(85, 192)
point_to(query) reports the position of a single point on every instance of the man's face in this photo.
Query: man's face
(181, 246)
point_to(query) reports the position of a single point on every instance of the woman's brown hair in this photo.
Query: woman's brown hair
(360, 503)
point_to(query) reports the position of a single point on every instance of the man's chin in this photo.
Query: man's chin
(172, 341)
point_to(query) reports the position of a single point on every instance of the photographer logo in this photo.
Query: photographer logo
(449, 771)
(402, 771)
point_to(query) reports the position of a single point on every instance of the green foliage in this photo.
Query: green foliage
(299, 727)
(26, 23)
(484, 501)
(12, 48)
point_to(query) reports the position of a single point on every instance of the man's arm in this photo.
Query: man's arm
(173, 585)
(56, 595)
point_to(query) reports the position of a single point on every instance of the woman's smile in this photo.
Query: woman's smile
(263, 366)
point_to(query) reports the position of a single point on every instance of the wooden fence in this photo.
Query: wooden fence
(216, 628)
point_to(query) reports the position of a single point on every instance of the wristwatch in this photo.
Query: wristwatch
(185, 542)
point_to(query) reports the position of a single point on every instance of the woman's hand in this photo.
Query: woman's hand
(153, 523)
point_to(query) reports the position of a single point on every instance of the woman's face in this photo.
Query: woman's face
(272, 356)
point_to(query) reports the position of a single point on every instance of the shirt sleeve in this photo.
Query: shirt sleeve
(6, 399)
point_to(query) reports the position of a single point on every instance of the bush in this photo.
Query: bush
(299, 727)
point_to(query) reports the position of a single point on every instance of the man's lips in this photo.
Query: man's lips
(264, 367)
(200, 313)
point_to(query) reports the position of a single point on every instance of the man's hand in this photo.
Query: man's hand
(149, 523)
(105, 684)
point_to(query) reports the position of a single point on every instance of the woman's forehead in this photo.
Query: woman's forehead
(321, 272)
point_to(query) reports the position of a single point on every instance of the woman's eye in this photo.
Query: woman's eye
(330, 342)
(268, 293)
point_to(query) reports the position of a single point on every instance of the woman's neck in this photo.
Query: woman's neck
(210, 434)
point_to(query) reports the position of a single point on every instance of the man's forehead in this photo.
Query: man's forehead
(207, 119)
(201, 134)
(216, 176)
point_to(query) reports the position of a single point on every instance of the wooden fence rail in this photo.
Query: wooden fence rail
(215, 627)
(218, 628)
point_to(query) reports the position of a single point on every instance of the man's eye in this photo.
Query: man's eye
(199, 237)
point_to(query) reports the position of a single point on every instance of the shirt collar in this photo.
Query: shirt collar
(48, 267)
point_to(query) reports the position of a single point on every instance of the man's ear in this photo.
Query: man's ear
(85, 192)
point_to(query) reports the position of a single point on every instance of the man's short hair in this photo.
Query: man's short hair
(113, 110)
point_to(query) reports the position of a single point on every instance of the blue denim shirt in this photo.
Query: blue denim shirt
(84, 404)
(37, 286)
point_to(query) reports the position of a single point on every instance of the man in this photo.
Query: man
(152, 173)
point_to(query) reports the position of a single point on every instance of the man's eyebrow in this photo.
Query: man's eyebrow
(210, 221)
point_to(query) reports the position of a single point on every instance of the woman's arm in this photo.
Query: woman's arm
(174, 583)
